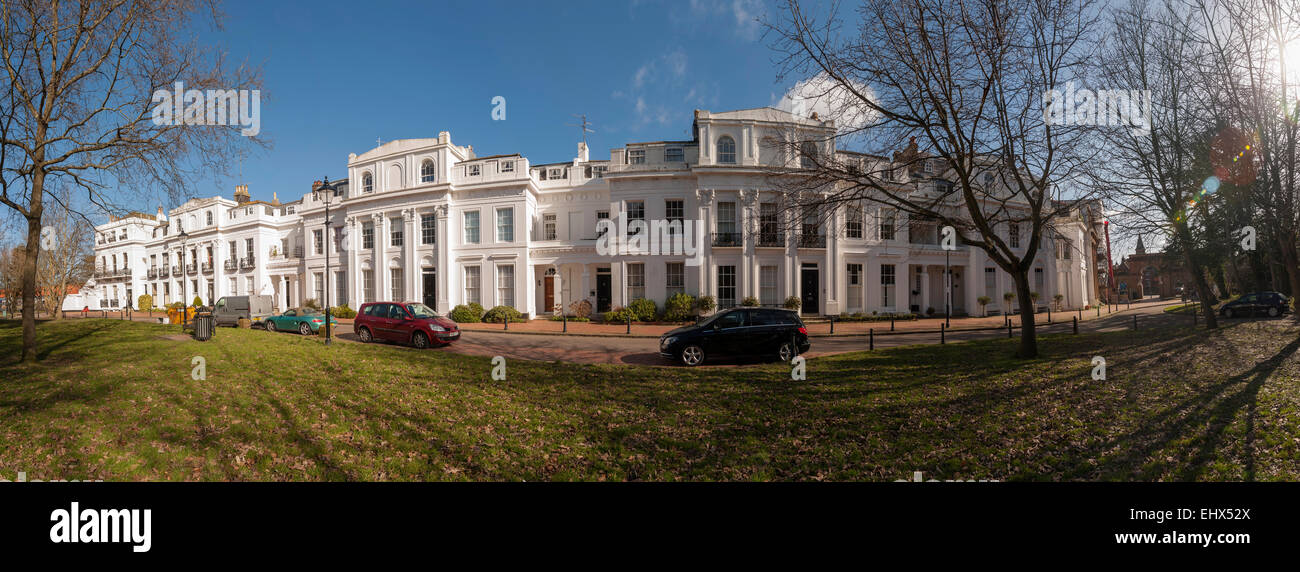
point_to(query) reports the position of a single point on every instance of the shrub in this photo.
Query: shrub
(580, 309)
(144, 302)
(342, 312)
(477, 308)
(793, 303)
(463, 314)
(559, 318)
(198, 301)
(643, 310)
(310, 303)
(500, 314)
(680, 307)
(706, 304)
(618, 315)
(749, 301)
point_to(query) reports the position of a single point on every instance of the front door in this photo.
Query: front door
(431, 289)
(810, 288)
(549, 297)
(603, 289)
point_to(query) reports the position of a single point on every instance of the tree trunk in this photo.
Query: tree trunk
(31, 251)
(1286, 244)
(1028, 336)
(1202, 290)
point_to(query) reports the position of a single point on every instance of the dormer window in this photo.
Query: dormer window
(636, 157)
(367, 183)
(427, 171)
(474, 170)
(556, 173)
(507, 167)
(727, 150)
(674, 155)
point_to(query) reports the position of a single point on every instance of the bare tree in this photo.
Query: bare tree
(1250, 68)
(11, 282)
(1154, 178)
(66, 256)
(80, 108)
(962, 84)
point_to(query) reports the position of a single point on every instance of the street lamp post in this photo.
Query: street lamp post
(328, 189)
(184, 304)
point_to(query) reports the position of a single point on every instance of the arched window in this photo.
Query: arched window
(727, 150)
(427, 171)
(807, 155)
(367, 183)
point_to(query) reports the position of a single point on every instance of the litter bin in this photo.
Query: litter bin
(203, 326)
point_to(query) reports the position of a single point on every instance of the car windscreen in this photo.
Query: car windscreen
(421, 311)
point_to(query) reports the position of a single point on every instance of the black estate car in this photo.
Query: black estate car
(767, 332)
(1268, 303)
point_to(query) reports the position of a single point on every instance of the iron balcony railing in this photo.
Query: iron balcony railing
(812, 241)
(191, 268)
(207, 267)
(230, 264)
(769, 239)
(246, 262)
(176, 269)
(726, 239)
(152, 273)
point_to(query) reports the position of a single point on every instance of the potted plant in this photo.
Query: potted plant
(1057, 299)
(984, 304)
(1033, 297)
(1007, 297)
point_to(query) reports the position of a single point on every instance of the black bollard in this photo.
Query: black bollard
(629, 324)
(565, 318)
(1008, 328)
(1135, 322)
(1076, 325)
(891, 323)
(832, 325)
(871, 339)
(943, 334)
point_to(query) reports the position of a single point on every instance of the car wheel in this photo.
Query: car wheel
(692, 355)
(419, 340)
(270, 326)
(364, 334)
(787, 352)
(304, 329)
(1227, 312)
(1273, 311)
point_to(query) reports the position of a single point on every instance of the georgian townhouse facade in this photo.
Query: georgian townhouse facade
(428, 220)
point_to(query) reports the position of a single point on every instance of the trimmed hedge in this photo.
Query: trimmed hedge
(342, 312)
(643, 310)
(679, 308)
(500, 314)
(462, 313)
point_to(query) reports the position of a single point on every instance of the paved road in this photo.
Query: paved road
(645, 351)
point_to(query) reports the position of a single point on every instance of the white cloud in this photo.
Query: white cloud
(746, 14)
(829, 100)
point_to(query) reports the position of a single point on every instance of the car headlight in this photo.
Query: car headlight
(437, 328)
(668, 341)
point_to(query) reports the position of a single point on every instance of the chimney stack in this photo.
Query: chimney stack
(241, 194)
(583, 155)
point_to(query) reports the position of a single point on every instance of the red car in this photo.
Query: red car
(404, 322)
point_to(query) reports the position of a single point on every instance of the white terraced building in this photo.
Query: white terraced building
(428, 220)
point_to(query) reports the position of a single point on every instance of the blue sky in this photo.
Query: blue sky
(339, 75)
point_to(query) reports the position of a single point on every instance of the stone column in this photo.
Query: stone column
(380, 261)
(410, 266)
(443, 264)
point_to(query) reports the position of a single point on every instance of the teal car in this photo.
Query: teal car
(305, 321)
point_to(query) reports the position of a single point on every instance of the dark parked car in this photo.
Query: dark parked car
(404, 322)
(1268, 303)
(763, 332)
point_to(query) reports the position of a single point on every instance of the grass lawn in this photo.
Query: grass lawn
(114, 400)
